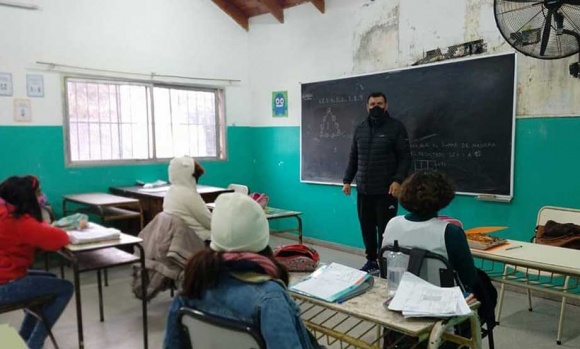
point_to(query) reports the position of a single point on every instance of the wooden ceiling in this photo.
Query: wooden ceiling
(242, 10)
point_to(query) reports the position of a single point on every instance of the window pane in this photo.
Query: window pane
(107, 121)
(112, 120)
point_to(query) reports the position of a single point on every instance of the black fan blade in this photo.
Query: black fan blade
(546, 32)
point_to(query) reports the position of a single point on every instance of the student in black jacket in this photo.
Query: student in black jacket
(380, 158)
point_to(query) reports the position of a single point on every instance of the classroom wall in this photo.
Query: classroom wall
(178, 37)
(355, 37)
(196, 38)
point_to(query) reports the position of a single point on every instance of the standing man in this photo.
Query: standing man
(379, 157)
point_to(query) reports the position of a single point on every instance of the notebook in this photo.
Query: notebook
(334, 283)
(93, 233)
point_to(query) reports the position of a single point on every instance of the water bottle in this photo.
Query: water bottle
(397, 263)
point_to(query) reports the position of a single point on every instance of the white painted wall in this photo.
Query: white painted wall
(364, 36)
(177, 37)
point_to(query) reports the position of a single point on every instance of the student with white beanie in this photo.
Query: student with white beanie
(238, 278)
(183, 200)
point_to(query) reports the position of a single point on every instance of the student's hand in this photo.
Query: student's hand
(394, 189)
(346, 188)
(470, 299)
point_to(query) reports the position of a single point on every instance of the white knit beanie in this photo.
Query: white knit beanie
(238, 224)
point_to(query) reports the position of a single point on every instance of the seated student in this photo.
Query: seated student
(423, 194)
(22, 232)
(239, 278)
(183, 200)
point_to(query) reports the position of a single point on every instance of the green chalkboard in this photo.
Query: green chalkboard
(459, 115)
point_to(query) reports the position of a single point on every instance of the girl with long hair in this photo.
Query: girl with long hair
(22, 233)
(238, 278)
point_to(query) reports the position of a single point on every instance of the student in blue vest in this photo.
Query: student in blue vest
(238, 278)
(380, 158)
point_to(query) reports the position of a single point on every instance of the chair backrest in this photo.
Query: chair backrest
(208, 331)
(239, 188)
(558, 214)
(427, 265)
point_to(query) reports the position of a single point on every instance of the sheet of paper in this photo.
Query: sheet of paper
(416, 297)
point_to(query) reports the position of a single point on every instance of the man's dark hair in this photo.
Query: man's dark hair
(426, 192)
(20, 192)
(375, 95)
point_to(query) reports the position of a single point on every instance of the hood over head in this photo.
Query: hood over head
(181, 170)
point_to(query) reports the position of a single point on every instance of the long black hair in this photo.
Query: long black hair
(204, 269)
(21, 192)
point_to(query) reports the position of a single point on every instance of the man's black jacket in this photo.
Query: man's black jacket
(379, 155)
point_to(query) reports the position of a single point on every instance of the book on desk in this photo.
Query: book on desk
(93, 233)
(334, 283)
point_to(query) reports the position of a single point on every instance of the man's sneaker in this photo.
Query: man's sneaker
(370, 267)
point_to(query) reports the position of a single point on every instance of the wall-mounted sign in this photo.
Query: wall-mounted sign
(34, 85)
(280, 104)
(5, 84)
(22, 110)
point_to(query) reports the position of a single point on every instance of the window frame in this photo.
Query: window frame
(220, 119)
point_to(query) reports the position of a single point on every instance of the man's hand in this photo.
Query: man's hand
(346, 188)
(394, 189)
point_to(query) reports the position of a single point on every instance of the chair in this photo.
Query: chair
(437, 270)
(32, 306)
(207, 331)
(239, 188)
(546, 213)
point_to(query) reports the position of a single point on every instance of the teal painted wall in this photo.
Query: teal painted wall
(547, 167)
(40, 151)
(547, 164)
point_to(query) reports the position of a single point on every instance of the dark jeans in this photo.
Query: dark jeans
(374, 212)
(36, 284)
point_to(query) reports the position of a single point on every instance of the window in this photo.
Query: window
(110, 121)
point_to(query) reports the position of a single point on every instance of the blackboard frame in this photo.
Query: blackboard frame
(500, 196)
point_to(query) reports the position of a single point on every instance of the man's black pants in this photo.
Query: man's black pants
(374, 212)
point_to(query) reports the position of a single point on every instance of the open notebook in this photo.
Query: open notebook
(93, 233)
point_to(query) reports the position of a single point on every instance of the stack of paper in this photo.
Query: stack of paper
(334, 283)
(416, 297)
(93, 233)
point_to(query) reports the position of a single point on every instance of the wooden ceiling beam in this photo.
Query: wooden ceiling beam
(234, 13)
(275, 9)
(319, 5)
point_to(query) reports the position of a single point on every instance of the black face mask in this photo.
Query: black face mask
(376, 112)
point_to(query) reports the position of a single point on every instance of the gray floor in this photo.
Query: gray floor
(122, 326)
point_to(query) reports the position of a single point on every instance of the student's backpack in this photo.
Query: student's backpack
(297, 257)
(260, 198)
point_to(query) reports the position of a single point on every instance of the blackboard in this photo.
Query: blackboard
(459, 116)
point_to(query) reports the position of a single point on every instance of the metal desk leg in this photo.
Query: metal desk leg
(144, 298)
(299, 229)
(100, 288)
(77, 281)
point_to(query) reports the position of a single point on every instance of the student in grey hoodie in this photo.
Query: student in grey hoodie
(183, 200)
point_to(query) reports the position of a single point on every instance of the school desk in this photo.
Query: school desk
(541, 268)
(151, 199)
(98, 256)
(359, 321)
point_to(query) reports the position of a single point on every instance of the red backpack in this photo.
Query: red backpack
(297, 257)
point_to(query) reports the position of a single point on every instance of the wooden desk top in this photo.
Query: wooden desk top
(369, 307)
(100, 199)
(543, 257)
(160, 192)
(125, 239)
